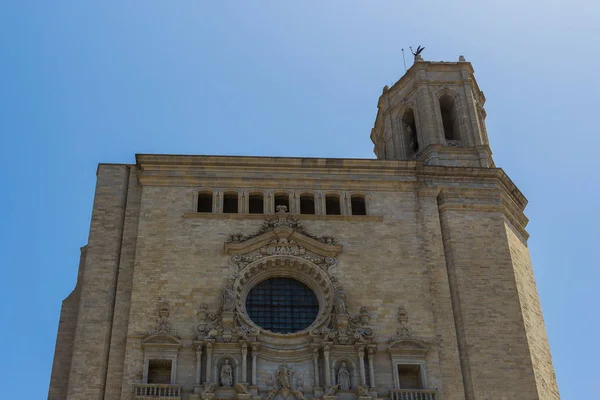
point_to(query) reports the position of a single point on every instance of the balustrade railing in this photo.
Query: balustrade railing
(157, 391)
(414, 394)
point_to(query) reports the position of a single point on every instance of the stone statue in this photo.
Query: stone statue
(340, 303)
(300, 383)
(226, 374)
(344, 377)
(283, 376)
(229, 298)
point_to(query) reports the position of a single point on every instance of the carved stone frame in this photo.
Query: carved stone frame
(408, 351)
(289, 267)
(161, 347)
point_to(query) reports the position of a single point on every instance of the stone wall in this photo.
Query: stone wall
(532, 315)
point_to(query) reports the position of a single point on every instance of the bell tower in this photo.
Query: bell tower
(434, 113)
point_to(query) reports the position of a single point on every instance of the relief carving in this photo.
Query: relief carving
(163, 325)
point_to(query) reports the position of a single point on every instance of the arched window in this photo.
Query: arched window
(307, 204)
(449, 117)
(358, 205)
(256, 203)
(409, 126)
(205, 202)
(282, 199)
(230, 203)
(332, 205)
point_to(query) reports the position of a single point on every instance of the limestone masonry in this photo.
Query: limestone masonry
(405, 277)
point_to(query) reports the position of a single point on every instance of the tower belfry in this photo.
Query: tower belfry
(434, 113)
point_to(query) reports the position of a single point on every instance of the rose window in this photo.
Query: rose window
(282, 305)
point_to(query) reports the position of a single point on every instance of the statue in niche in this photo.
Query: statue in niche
(226, 374)
(344, 377)
(283, 376)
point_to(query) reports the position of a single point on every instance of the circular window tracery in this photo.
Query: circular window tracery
(282, 305)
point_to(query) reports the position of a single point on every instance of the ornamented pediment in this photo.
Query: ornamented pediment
(282, 235)
(161, 340)
(163, 335)
(405, 343)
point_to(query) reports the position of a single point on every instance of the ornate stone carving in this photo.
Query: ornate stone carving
(283, 246)
(343, 377)
(226, 374)
(362, 391)
(241, 389)
(284, 376)
(223, 324)
(282, 218)
(344, 328)
(332, 390)
(404, 330)
(163, 325)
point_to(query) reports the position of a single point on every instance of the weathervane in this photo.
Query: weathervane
(417, 53)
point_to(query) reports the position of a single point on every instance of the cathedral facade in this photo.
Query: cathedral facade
(405, 277)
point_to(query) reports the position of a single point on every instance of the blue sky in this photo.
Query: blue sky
(84, 82)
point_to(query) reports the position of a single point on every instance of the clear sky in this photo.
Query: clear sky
(88, 82)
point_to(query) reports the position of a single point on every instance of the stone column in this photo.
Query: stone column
(361, 365)
(209, 362)
(244, 361)
(198, 364)
(371, 369)
(316, 365)
(326, 349)
(254, 356)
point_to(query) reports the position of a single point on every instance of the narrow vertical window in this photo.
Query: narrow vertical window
(282, 199)
(205, 202)
(256, 204)
(230, 203)
(409, 127)
(449, 117)
(332, 204)
(307, 204)
(358, 205)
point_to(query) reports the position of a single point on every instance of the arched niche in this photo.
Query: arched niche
(219, 361)
(352, 368)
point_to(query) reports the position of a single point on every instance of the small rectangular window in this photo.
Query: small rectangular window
(332, 205)
(230, 203)
(205, 202)
(358, 205)
(256, 204)
(307, 204)
(409, 376)
(159, 371)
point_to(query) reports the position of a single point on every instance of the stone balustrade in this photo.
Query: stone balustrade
(157, 391)
(414, 394)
